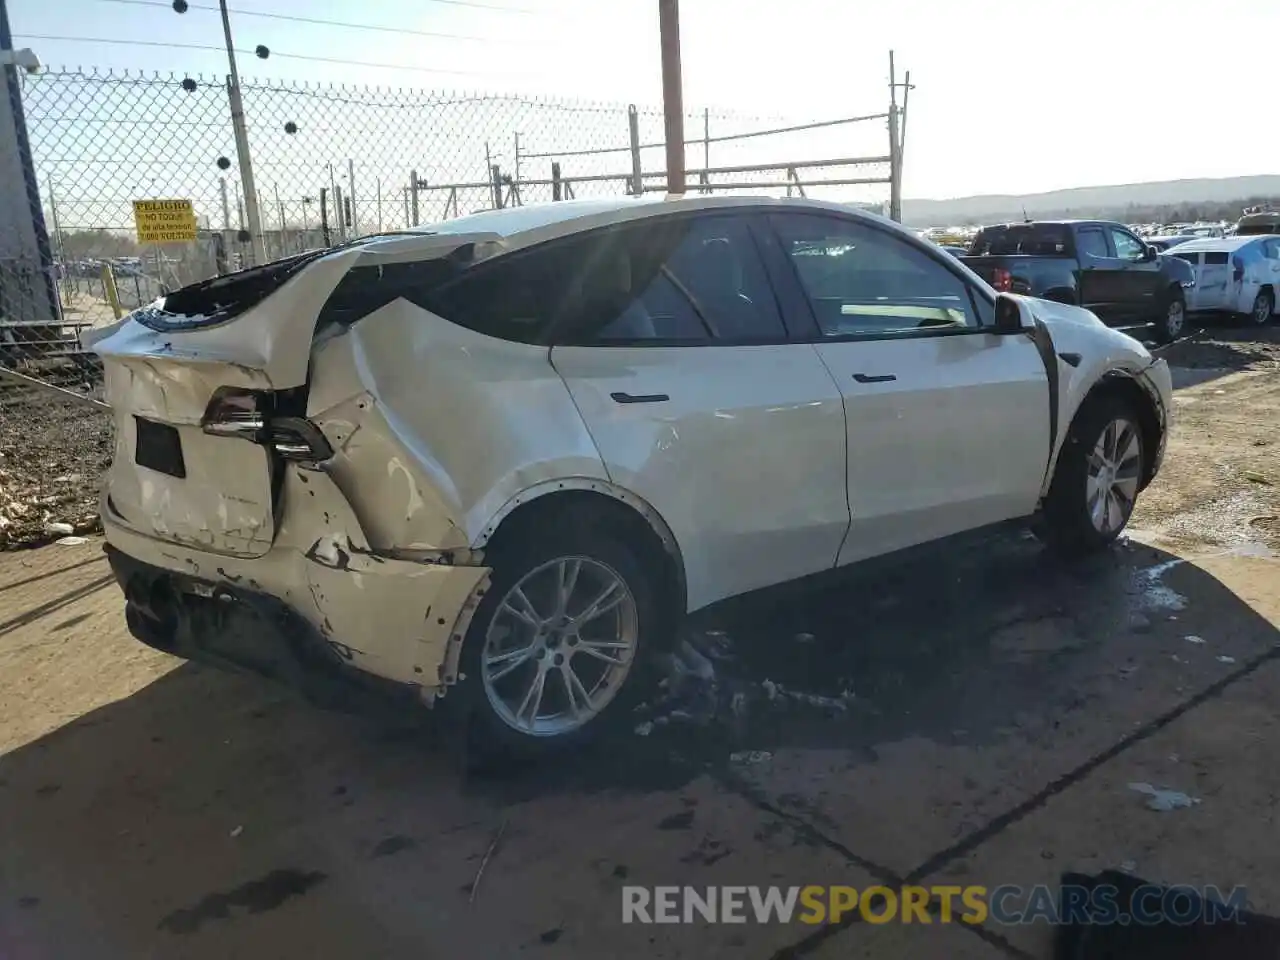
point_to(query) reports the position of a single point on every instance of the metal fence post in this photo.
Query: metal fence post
(324, 217)
(637, 171)
(495, 172)
(557, 187)
(413, 198)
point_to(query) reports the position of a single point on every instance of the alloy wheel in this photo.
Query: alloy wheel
(1175, 318)
(1261, 309)
(559, 646)
(1111, 484)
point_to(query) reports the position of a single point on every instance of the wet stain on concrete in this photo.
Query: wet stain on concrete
(256, 896)
(392, 845)
(551, 936)
(677, 821)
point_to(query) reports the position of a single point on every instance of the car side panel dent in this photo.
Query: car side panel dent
(437, 427)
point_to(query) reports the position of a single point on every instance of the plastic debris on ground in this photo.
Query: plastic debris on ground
(1162, 799)
(1225, 659)
(751, 756)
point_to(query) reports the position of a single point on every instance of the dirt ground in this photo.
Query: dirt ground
(854, 733)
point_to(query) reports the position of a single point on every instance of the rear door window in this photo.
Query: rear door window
(1213, 257)
(1092, 242)
(679, 279)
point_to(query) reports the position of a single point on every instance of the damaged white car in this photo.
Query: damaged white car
(491, 463)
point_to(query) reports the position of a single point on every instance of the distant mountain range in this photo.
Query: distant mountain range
(1104, 202)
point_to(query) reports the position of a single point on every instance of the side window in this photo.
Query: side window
(684, 279)
(1091, 241)
(862, 281)
(1191, 258)
(1128, 247)
(1271, 249)
(1215, 258)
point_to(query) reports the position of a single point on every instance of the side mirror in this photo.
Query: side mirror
(1008, 316)
(1149, 253)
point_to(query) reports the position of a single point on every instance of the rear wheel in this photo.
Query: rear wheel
(1263, 306)
(552, 656)
(1097, 477)
(1173, 321)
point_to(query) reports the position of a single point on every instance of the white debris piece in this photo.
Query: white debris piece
(1162, 799)
(71, 541)
(1192, 638)
(751, 756)
(237, 831)
(644, 729)
(1225, 659)
(59, 529)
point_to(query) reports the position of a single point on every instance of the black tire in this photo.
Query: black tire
(469, 702)
(1065, 522)
(1172, 322)
(1264, 304)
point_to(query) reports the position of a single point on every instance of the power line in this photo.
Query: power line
(286, 56)
(329, 23)
(471, 4)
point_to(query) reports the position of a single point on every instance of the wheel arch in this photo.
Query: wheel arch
(1129, 387)
(604, 503)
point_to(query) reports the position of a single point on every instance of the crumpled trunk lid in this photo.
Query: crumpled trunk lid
(164, 364)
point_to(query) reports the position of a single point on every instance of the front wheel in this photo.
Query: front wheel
(552, 656)
(1170, 325)
(1095, 484)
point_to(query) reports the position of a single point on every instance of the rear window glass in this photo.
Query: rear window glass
(1031, 239)
(214, 301)
(1215, 257)
(1189, 257)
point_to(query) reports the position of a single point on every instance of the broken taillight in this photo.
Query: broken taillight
(1002, 279)
(251, 415)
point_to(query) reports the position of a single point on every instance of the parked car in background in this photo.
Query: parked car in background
(1257, 224)
(1239, 275)
(1164, 243)
(1096, 264)
(491, 463)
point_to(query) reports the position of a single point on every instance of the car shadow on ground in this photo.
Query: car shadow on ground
(951, 643)
(996, 644)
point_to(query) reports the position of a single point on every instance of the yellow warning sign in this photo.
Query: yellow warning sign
(164, 221)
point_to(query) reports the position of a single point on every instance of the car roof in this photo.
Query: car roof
(1219, 243)
(525, 225)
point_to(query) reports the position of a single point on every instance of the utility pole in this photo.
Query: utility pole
(242, 143)
(672, 93)
(895, 181)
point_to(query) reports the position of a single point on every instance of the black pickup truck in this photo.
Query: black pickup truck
(1090, 263)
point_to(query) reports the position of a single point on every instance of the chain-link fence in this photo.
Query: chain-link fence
(330, 163)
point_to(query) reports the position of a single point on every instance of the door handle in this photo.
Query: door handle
(869, 378)
(621, 397)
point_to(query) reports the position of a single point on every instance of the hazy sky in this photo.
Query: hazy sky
(1010, 96)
